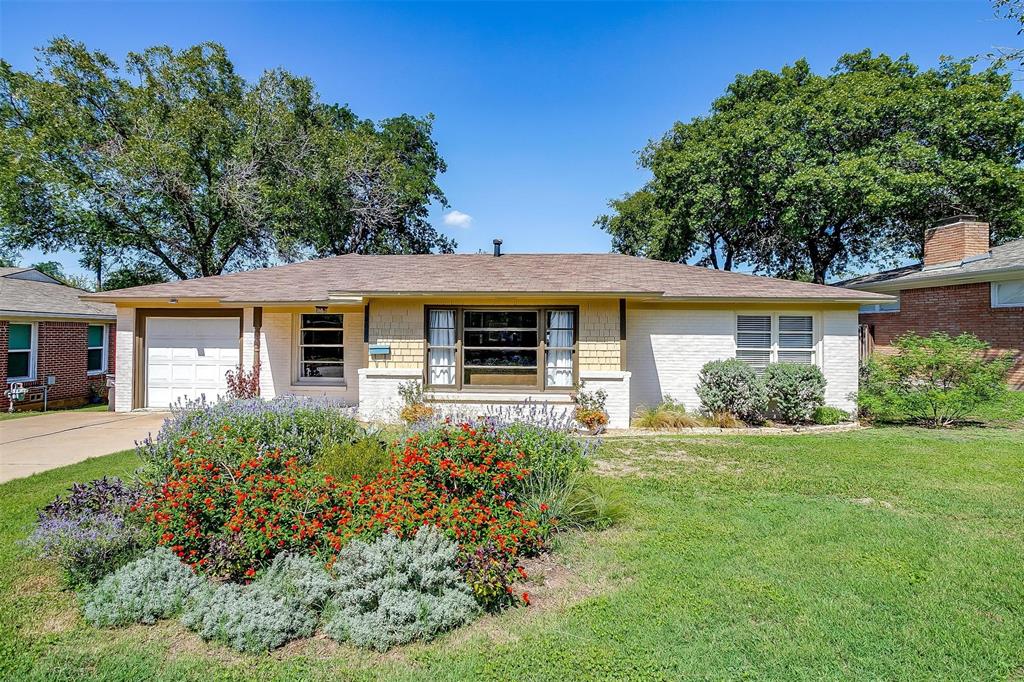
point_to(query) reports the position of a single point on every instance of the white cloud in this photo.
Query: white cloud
(458, 219)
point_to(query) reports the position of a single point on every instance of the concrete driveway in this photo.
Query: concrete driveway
(32, 444)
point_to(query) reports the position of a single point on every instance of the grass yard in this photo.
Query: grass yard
(4, 415)
(883, 553)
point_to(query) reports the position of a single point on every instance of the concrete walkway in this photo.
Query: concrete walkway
(33, 444)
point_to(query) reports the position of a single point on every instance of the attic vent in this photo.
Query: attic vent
(497, 247)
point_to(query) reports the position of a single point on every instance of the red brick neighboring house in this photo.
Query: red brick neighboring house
(962, 285)
(47, 331)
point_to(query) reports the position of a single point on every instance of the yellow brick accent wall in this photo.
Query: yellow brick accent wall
(599, 335)
(398, 324)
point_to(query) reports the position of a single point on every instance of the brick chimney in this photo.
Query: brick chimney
(955, 240)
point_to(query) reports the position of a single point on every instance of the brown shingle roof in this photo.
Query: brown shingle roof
(359, 275)
(1008, 257)
(30, 298)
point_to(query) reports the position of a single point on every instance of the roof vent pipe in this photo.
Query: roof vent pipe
(497, 248)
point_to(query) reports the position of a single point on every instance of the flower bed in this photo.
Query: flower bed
(229, 502)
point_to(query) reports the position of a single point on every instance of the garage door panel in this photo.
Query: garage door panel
(188, 357)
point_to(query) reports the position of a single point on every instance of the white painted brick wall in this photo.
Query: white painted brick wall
(124, 364)
(840, 347)
(378, 391)
(276, 351)
(616, 385)
(666, 348)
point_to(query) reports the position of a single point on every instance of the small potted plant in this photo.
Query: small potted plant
(415, 408)
(590, 409)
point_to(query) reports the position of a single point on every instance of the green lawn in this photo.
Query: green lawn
(878, 554)
(4, 415)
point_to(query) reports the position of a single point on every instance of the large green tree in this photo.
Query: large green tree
(178, 160)
(804, 175)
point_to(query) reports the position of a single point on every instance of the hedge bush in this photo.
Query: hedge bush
(795, 391)
(154, 586)
(732, 386)
(830, 416)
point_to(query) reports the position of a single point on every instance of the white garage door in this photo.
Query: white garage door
(187, 357)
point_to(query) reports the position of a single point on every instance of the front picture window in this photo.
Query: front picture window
(321, 348)
(499, 348)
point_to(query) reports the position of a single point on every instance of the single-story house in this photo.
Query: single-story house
(961, 285)
(53, 339)
(478, 330)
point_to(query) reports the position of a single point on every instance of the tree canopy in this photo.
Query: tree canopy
(177, 162)
(802, 175)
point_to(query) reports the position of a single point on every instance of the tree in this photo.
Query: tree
(802, 175)
(55, 270)
(179, 160)
(135, 275)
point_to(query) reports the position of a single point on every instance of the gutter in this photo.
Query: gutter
(939, 279)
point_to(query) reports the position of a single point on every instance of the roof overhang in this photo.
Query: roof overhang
(45, 315)
(939, 278)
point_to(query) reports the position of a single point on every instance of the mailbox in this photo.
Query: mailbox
(380, 350)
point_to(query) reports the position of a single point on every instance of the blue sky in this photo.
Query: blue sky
(539, 108)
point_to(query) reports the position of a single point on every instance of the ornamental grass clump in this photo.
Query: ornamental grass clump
(89, 532)
(795, 391)
(733, 387)
(393, 591)
(154, 586)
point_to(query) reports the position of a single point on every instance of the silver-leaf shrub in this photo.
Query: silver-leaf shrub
(732, 386)
(394, 591)
(153, 586)
(795, 390)
(281, 605)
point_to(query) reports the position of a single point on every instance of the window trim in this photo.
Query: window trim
(104, 363)
(297, 346)
(33, 352)
(542, 322)
(773, 354)
(994, 287)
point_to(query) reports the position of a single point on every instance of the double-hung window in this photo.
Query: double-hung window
(763, 339)
(321, 349)
(21, 351)
(96, 352)
(527, 348)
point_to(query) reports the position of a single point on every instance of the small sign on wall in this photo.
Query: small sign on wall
(377, 350)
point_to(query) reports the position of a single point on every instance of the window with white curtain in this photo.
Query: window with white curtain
(1008, 294)
(560, 342)
(520, 348)
(441, 348)
(763, 339)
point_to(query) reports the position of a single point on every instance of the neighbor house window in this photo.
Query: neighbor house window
(321, 348)
(21, 352)
(887, 307)
(763, 339)
(1009, 294)
(515, 348)
(97, 349)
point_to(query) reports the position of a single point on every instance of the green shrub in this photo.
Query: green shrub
(153, 586)
(282, 604)
(937, 380)
(669, 414)
(732, 386)
(394, 591)
(364, 458)
(596, 502)
(826, 415)
(302, 426)
(795, 391)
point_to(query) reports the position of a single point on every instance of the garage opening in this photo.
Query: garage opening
(188, 357)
